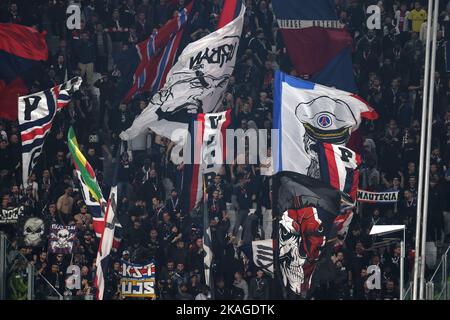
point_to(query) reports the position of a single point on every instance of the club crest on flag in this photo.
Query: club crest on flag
(307, 114)
(324, 120)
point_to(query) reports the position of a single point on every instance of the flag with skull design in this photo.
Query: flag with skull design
(33, 230)
(306, 210)
(61, 238)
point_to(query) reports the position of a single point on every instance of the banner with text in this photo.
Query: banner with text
(61, 238)
(10, 215)
(138, 280)
(377, 197)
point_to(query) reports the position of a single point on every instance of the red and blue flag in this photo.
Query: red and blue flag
(21, 50)
(318, 44)
(145, 66)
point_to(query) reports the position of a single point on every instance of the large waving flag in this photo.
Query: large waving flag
(306, 113)
(90, 190)
(144, 67)
(208, 152)
(307, 210)
(83, 166)
(313, 26)
(339, 167)
(197, 81)
(21, 49)
(36, 113)
(110, 235)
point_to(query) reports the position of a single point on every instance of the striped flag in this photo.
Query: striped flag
(36, 113)
(83, 166)
(90, 190)
(152, 58)
(325, 43)
(209, 132)
(106, 243)
(97, 210)
(93, 207)
(339, 167)
(110, 235)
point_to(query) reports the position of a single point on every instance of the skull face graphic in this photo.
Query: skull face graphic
(33, 231)
(300, 240)
(63, 238)
(291, 262)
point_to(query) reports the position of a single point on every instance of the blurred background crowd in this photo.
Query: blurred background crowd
(388, 68)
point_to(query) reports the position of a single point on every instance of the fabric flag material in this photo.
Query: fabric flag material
(61, 238)
(304, 113)
(82, 165)
(21, 49)
(106, 243)
(313, 26)
(342, 223)
(97, 210)
(11, 215)
(339, 168)
(307, 210)
(326, 46)
(296, 190)
(148, 62)
(36, 113)
(93, 207)
(207, 154)
(262, 251)
(195, 84)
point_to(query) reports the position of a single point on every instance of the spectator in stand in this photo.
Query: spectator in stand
(85, 53)
(259, 287)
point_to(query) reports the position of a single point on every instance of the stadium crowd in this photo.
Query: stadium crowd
(388, 68)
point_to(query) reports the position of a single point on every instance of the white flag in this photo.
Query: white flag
(306, 113)
(195, 84)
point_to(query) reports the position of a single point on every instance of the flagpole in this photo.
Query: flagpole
(428, 152)
(417, 265)
(208, 275)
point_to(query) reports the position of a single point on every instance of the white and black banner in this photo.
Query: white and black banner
(377, 197)
(195, 84)
(263, 255)
(11, 215)
(35, 114)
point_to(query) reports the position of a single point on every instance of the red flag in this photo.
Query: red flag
(9, 95)
(22, 41)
